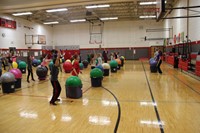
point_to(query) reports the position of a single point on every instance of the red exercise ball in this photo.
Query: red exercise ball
(67, 66)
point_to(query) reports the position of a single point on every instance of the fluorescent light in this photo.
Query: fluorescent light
(22, 13)
(148, 3)
(111, 18)
(51, 22)
(147, 16)
(78, 20)
(57, 10)
(97, 6)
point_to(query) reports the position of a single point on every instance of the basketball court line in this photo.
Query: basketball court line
(153, 100)
(191, 88)
(119, 109)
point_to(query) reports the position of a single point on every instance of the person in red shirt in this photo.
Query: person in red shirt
(76, 68)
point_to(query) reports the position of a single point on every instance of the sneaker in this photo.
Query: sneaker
(33, 79)
(28, 81)
(58, 100)
(52, 103)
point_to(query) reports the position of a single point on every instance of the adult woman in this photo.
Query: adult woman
(54, 78)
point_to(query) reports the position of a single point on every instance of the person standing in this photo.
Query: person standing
(99, 59)
(1, 64)
(54, 79)
(9, 59)
(105, 56)
(76, 67)
(159, 61)
(156, 53)
(3, 61)
(88, 57)
(29, 68)
(112, 56)
(93, 61)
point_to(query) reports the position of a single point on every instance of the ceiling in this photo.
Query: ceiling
(123, 9)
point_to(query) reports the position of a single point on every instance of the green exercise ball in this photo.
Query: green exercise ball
(73, 81)
(96, 73)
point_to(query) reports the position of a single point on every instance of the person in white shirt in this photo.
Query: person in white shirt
(99, 59)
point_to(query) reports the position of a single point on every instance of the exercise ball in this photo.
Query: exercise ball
(96, 73)
(106, 66)
(18, 76)
(96, 76)
(113, 63)
(35, 62)
(152, 62)
(14, 64)
(85, 63)
(67, 66)
(81, 66)
(118, 61)
(7, 77)
(22, 64)
(17, 73)
(100, 67)
(68, 60)
(18, 61)
(39, 62)
(122, 57)
(8, 82)
(122, 61)
(41, 72)
(50, 65)
(73, 81)
(73, 87)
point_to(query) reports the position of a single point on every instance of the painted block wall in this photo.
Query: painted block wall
(116, 34)
(16, 37)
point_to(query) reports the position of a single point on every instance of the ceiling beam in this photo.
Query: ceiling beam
(6, 6)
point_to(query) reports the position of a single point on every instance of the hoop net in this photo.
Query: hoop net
(95, 39)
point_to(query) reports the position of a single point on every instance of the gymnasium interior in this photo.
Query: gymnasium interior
(138, 66)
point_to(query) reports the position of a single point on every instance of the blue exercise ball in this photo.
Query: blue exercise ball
(100, 67)
(35, 62)
(152, 62)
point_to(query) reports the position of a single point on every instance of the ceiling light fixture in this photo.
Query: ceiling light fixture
(55, 22)
(147, 16)
(111, 18)
(57, 10)
(148, 3)
(22, 13)
(97, 6)
(78, 20)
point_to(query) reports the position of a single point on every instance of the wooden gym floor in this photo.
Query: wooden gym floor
(149, 103)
